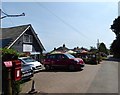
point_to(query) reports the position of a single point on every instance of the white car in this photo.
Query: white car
(35, 65)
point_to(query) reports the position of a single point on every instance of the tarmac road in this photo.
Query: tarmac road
(101, 78)
(106, 79)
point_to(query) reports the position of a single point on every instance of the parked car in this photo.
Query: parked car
(27, 71)
(89, 58)
(36, 66)
(63, 60)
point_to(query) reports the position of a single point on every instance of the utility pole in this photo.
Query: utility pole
(98, 44)
(7, 15)
(8, 71)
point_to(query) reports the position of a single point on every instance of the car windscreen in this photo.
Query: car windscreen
(27, 60)
(69, 56)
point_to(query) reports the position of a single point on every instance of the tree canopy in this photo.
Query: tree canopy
(103, 48)
(115, 46)
(116, 26)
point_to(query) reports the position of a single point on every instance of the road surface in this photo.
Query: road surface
(101, 78)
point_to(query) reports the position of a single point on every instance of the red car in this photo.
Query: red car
(63, 60)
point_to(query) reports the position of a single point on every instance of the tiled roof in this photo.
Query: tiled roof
(60, 49)
(12, 33)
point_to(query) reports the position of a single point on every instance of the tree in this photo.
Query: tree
(115, 46)
(102, 48)
(93, 49)
(116, 26)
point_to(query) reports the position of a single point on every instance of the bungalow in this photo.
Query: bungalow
(23, 39)
(61, 49)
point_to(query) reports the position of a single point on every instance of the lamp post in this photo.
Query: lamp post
(7, 15)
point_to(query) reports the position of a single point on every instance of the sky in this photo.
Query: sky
(75, 24)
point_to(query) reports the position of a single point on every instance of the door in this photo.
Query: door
(61, 61)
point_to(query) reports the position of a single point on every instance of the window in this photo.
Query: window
(27, 38)
(51, 56)
(27, 60)
(60, 57)
(69, 56)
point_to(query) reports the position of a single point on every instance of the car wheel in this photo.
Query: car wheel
(71, 67)
(47, 67)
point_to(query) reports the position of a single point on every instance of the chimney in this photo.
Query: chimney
(63, 45)
(54, 48)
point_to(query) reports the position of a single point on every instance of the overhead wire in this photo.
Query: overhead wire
(63, 21)
(60, 19)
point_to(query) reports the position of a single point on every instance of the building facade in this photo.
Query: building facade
(23, 39)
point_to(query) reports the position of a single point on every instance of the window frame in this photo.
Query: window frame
(27, 38)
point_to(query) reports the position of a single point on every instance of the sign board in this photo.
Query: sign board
(27, 48)
(8, 63)
(18, 73)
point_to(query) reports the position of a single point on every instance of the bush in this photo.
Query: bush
(16, 87)
(8, 54)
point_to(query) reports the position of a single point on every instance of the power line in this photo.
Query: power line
(63, 21)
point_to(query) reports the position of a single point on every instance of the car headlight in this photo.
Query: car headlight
(33, 68)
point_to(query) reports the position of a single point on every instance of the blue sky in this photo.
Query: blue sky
(71, 23)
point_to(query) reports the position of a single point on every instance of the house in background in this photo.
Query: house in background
(23, 39)
(61, 49)
(64, 49)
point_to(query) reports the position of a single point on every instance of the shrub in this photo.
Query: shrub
(8, 54)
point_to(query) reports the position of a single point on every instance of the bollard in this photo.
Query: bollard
(32, 91)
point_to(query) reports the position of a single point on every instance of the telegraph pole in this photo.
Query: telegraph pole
(8, 84)
(98, 44)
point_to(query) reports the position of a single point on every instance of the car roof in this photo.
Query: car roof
(60, 54)
(23, 57)
(57, 54)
